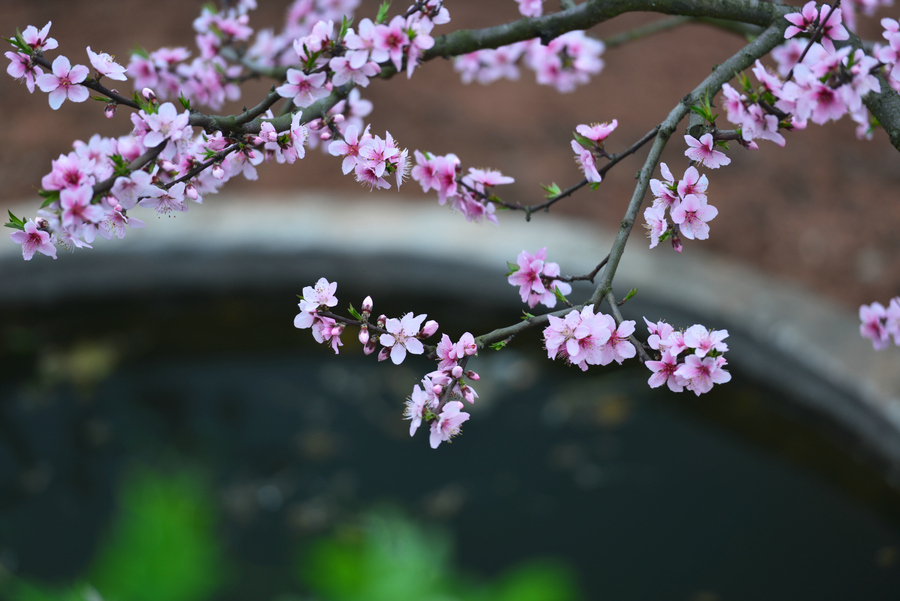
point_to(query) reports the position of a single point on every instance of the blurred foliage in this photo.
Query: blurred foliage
(163, 546)
(390, 558)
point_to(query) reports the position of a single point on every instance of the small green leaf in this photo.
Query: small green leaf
(526, 315)
(512, 268)
(140, 52)
(14, 222)
(499, 345)
(585, 142)
(184, 102)
(355, 313)
(551, 190)
(382, 12)
(559, 295)
(345, 26)
(629, 295)
(595, 185)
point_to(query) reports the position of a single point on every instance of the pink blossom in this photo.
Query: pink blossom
(422, 401)
(586, 161)
(702, 152)
(872, 327)
(532, 269)
(68, 171)
(701, 373)
(314, 297)
(448, 423)
(170, 200)
(64, 82)
(389, 41)
(401, 337)
(656, 224)
(325, 329)
(597, 131)
(692, 215)
(21, 67)
(531, 8)
(618, 347)
(39, 40)
(303, 89)
(114, 223)
(579, 337)
(106, 65)
(665, 192)
(128, 190)
(664, 373)
(32, 239)
(892, 319)
(693, 183)
(77, 208)
(703, 341)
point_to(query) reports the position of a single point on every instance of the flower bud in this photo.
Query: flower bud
(314, 125)
(456, 372)
(370, 346)
(367, 306)
(382, 321)
(472, 376)
(364, 335)
(109, 111)
(431, 326)
(41, 223)
(325, 135)
(384, 353)
(218, 172)
(339, 118)
(148, 94)
(438, 390)
(676, 243)
(191, 192)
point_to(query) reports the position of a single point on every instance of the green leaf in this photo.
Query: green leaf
(184, 102)
(140, 52)
(551, 190)
(345, 26)
(526, 315)
(629, 295)
(355, 313)
(595, 185)
(382, 12)
(499, 345)
(559, 295)
(585, 142)
(14, 222)
(513, 267)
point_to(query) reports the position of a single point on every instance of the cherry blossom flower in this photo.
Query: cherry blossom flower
(531, 8)
(422, 400)
(106, 65)
(532, 268)
(32, 239)
(448, 423)
(303, 89)
(597, 131)
(21, 67)
(170, 200)
(656, 224)
(314, 297)
(63, 82)
(664, 373)
(665, 192)
(617, 348)
(702, 373)
(703, 341)
(703, 152)
(692, 215)
(872, 327)
(39, 40)
(401, 337)
(586, 161)
(128, 190)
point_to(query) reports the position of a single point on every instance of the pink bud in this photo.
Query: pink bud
(117, 208)
(328, 86)
(110, 110)
(473, 376)
(438, 389)
(218, 172)
(382, 320)
(364, 335)
(384, 354)
(676, 243)
(367, 305)
(41, 223)
(370, 346)
(314, 125)
(339, 118)
(431, 326)
(456, 372)
(257, 141)
(148, 94)
(191, 192)
(468, 393)
(325, 135)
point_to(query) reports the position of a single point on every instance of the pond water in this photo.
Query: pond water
(642, 494)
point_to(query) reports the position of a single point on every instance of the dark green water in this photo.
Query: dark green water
(644, 494)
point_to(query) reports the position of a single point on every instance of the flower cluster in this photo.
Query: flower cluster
(565, 63)
(584, 338)
(880, 324)
(536, 278)
(371, 158)
(588, 145)
(827, 84)
(687, 204)
(699, 370)
(468, 194)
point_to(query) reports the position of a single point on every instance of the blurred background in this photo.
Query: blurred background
(181, 443)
